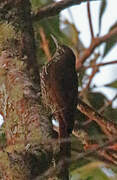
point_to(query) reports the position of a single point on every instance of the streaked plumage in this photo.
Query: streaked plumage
(59, 87)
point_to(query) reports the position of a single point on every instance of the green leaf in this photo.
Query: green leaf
(36, 4)
(96, 99)
(111, 113)
(110, 42)
(112, 84)
(102, 10)
(93, 171)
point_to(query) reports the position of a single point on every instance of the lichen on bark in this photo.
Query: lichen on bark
(26, 125)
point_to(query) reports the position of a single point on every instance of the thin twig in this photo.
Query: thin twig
(90, 19)
(103, 146)
(52, 171)
(44, 44)
(95, 42)
(95, 70)
(55, 8)
(108, 103)
(100, 64)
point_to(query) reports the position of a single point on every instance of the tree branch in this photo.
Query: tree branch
(45, 44)
(95, 42)
(109, 128)
(101, 64)
(100, 147)
(55, 8)
(53, 170)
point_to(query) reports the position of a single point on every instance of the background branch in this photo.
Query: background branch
(45, 44)
(108, 127)
(95, 42)
(54, 8)
(101, 64)
(52, 170)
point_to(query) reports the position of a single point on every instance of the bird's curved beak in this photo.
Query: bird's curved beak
(55, 41)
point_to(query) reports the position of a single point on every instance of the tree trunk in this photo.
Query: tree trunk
(28, 151)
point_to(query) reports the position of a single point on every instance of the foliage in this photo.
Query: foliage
(111, 42)
(112, 84)
(102, 10)
(94, 171)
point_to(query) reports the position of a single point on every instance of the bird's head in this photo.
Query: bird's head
(63, 50)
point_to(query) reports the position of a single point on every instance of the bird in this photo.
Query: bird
(59, 88)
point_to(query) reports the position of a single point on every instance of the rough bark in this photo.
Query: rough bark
(25, 121)
(28, 149)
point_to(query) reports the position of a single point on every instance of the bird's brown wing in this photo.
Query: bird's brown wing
(63, 88)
